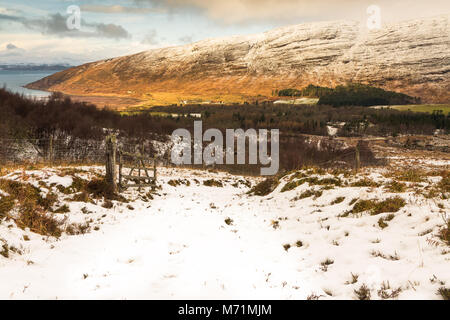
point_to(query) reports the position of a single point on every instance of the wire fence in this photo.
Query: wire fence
(68, 150)
(65, 150)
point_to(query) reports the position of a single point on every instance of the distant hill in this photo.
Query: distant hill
(34, 67)
(411, 57)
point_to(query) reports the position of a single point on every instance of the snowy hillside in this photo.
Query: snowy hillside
(203, 235)
(411, 57)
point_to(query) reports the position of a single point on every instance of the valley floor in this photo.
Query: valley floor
(196, 241)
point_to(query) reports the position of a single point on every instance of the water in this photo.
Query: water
(15, 80)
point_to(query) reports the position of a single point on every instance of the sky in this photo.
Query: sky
(52, 31)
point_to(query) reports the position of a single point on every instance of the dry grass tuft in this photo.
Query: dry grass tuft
(363, 293)
(396, 187)
(366, 182)
(213, 183)
(377, 207)
(444, 293)
(31, 207)
(265, 187)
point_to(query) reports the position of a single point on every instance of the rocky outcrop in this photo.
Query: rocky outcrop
(412, 57)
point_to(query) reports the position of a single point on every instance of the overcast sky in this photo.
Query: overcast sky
(36, 31)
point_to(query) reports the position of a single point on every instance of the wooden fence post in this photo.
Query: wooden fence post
(111, 147)
(120, 170)
(50, 150)
(357, 157)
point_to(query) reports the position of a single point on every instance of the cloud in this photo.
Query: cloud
(7, 11)
(11, 50)
(151, 38)
(186, 39)
(11, 46)
(56, 24)
(287, 11)
(42, 49)
(8, 17)
(118, 9)
(112, 31)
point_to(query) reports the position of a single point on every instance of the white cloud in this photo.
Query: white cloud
(247, 11)
(118, 9)
(151, 38)
(38, 48)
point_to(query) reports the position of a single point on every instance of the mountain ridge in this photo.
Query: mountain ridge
(412, 57)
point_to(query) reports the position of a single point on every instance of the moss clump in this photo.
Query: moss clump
(291, 185)
(298, 175)
(108, 204)
(377, 207)
(309, 193)
(396, 187)
(329, 181)
(5, 250)
(77, 185)
(338, 200)
(382, 224)
(444, 185)
(411, 175)
(265, 187)
(312, 181)
(34, 217)
(62, 209)
(82, 197)
(363, 205)
(6, 205)
(382, 221)
(76, 229)
(213, 183)
(444, 235)
(365, 183)
(173, 183)
(31, 206)
(99, 188)
(389, 205)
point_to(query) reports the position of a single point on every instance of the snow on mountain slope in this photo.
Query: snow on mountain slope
(196, 241)
(412, 57)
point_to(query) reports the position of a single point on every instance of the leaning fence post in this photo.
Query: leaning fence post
(111, 148)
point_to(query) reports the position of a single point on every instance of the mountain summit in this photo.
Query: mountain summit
(412, 57)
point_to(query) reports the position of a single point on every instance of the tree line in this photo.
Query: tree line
(29, 118)
(351, 95)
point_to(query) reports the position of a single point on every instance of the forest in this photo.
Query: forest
(351, 95)
(28, 118)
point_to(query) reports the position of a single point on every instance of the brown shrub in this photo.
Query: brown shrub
(213, 183)
(377, 207)
(34, 217)
(265, 187)
(32, 207)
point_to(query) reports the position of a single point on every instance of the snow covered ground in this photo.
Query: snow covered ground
(193, 241)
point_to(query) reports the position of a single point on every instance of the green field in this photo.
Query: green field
(428, 108)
